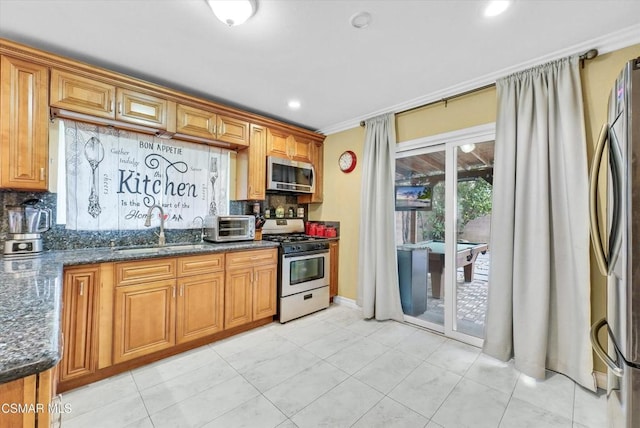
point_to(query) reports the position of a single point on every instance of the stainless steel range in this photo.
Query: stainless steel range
(303, 274)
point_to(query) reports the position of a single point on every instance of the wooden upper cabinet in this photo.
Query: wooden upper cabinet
(317, 159)
(196, 122)
(285, 145)
(301, 149)
(24, 125)
(207, 124)
(83, 95)
(231, 130)
(142, 109)
(79, 321)
(277, 143)
(251, 167)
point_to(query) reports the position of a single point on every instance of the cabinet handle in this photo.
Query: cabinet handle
(174, 291)
(111, 106)
(82, 288)
(119, 107)
(181, 290)
(42, 174)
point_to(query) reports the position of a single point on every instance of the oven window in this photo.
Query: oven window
(306, 270)
(233, 228)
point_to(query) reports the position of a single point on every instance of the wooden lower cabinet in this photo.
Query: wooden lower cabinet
(265, 291)
(33, 394)
(199, 306)
(144, 319)
(79, 321)
(238, 301)
(334, 260)
(250, 286)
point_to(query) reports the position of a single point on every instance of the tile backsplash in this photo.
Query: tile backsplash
(59, 238)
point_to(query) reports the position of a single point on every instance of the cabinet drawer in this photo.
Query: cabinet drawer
(251, 258)
(77, 93)
(145, 271)
(195, 265)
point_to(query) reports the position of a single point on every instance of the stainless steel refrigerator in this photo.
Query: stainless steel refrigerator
(616, 240)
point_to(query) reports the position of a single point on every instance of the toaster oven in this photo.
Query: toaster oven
(227, 228)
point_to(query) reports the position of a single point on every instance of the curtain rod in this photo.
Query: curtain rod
(588, 55)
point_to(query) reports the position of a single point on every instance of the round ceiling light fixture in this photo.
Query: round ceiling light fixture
(360, 20)
(233, 12)
(496, 7)
(294, 104)
(468, 148)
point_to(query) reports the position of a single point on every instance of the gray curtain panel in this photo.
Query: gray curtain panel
(378, 292)
(539, 299)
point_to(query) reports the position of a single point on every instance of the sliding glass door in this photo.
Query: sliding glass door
(443, 213)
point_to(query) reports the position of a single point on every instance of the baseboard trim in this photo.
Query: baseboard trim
(344, 301)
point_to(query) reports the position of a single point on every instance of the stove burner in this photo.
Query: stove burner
(293, 237)
(296, 243)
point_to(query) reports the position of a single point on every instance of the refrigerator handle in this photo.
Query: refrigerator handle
(596, 236)
(597, 346)
(616, 226)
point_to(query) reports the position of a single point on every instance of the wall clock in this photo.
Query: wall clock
(347, 161)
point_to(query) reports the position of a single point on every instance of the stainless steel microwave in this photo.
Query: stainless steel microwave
(290, 176)
(227, 228)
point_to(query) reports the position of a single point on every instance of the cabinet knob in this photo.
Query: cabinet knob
(82, 288)
(174, 290)
(181, 290)
(42, 176)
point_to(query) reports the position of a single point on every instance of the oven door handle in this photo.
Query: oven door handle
(306, 253)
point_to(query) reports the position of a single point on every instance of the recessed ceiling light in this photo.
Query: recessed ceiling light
(233, 12)
(360, 20)
(294, 104)
(496, 7)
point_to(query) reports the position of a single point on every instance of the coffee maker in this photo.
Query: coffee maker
(26, 223)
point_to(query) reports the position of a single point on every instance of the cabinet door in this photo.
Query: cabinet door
(24, 125)
(144, 319)
(264, 291)
(200, 306)
(82, 95)
(300, 149)
(79, 322)
(277, 143)
(257, 164)
(23, 392)
(237, 297)
(334, 256)
(196, 122)
(231, 130)
(142, 109)
(317, 159)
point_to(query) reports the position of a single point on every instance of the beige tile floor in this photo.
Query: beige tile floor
(333, 369)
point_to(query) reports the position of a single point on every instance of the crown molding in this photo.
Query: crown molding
(613, 41)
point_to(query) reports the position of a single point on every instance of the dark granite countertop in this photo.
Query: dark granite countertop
(31, 299)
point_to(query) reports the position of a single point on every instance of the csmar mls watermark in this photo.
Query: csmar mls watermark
(35, 408)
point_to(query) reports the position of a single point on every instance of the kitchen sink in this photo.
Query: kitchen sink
(160, 250)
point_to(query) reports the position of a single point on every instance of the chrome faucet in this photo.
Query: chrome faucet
(147, 223)
(201, 226)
